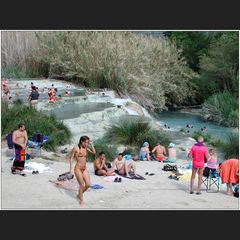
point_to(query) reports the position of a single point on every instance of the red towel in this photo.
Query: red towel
(229, 171)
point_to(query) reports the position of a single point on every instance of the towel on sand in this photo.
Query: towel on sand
(132, 176)
(72, 185)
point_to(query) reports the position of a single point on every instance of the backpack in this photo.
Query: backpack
(206, 171)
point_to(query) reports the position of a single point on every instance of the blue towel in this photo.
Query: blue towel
(96, 186)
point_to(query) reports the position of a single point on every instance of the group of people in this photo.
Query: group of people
(228, 170)
(158, 153)
(80, 152)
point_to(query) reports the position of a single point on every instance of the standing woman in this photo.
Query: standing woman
(79, 153)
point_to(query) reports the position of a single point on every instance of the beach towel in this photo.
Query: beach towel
(72, 185)
(131, 176)
(34, 166)
(229, 171)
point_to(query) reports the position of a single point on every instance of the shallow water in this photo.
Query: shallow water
(74, 110)
(178, 120)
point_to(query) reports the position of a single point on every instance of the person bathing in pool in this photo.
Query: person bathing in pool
(122, 168)
(79, 153)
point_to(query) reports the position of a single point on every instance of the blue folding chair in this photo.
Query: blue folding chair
(211, 179)
(37, 142)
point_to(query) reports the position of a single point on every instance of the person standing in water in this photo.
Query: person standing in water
(79, 153)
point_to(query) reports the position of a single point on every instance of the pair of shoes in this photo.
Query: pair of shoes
(117, 179)
(35, 172)
(149, 174)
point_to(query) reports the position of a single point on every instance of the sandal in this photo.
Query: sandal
(116, 179)
(198, 193)
(119, 180)
(191, 192)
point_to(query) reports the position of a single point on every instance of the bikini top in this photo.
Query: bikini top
(82, 154)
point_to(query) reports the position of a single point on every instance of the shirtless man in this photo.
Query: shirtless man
(160, 152)
(79, 153)
(100, 168)
(122, 167)
(20, 140)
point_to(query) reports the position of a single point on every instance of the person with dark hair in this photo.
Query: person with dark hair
(100, 167)
(79, 153)
(20, 140)
(33, 97)
(198, 152)
(121, 167)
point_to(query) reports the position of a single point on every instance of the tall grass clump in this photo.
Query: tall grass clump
(133, 133)
(17, 53)
(109, 149)
(35, 122)
(222, 108)
(149, 70)
(231, 147)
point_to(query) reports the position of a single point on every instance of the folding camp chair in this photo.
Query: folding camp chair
(213, 178)
(37, 142)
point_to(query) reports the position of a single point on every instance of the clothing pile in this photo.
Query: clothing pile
(168, 167)
(65, 176)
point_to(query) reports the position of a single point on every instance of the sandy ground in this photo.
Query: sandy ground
(156, 192)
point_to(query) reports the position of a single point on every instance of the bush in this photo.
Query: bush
(231, 148)
(133, 133)
(208, 138)
(101, 145)
(35, 122)
(222, 108)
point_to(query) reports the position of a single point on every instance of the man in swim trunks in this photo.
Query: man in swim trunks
(121, 167)
(160, 152)
(100, 168)
(20, 140)
(79, 153)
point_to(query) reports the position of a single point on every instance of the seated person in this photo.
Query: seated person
(144, 152)
(160, 152)
(100, 167)
(172, 153)
(212, 160)
(122, 167)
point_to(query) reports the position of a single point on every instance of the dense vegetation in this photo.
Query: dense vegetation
(158, 70)
(35, 122)
(222, 108)
(231, 147)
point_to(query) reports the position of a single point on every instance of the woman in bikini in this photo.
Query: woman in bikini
(79, 153)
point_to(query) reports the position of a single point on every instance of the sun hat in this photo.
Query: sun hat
(145, 144)
(171, 145)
